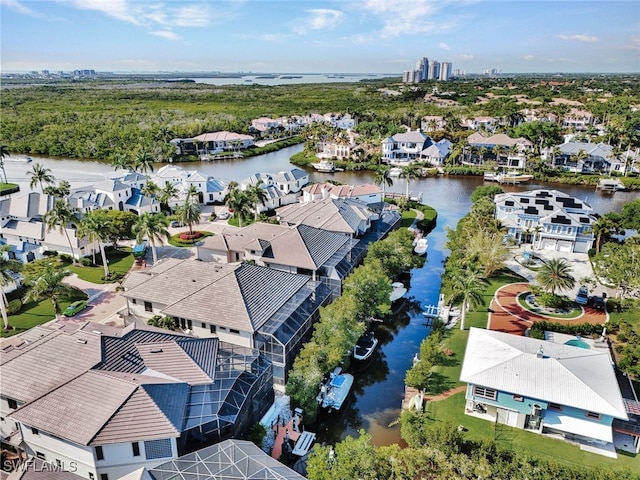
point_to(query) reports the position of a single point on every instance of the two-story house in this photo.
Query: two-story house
(404, 148)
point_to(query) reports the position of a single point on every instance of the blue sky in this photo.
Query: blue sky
(348, 36)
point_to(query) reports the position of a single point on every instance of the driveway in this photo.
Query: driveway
(104, 303)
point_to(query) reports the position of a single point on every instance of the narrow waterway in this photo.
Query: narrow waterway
(377, 393)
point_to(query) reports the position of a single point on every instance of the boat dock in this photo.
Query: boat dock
(413, 399)
(610, 185)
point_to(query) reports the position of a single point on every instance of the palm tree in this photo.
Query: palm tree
(59, 217)
(168, 193)
(383, 178)
(97, 227)
(152, 226)
(192, 192)
(581, 155)
(467, 286)
(122, 161)
(62, 190)
(189, 214)
(497, 151)
(143, 161)
(239, 201)
(555, 274)
(608, 224)
(7, 265)
(482, 152)
(150, 189)
(48, 283)
(39, 175)
(258, 196)
(3, 153)
(410, 172)
(555, 151)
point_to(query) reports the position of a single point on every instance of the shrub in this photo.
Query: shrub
(190, 236)
(66, 258)
(50, 253)
(550, 300)
(86, 262)
(14, 306)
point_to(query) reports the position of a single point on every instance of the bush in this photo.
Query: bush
(190, 236)
(50, 253)
(86, 262)
(14, 306)
(113, 277)
(550, 300)
(66, 258)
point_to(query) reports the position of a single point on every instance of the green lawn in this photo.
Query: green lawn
(37, 313)
(408, 216)
(120, 262)
(176, 241)
(452, 410)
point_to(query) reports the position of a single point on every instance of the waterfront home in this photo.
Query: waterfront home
(404, 148)
(120, 193)
(282, 188)
(578, 119)
(114, 402)
(549, 219)
(544, 387)
(22, 227)
(236, 303)
(436, 153)
(338, 149)
(265, 126)
(588, 157)
(515, 149)
(343, 121)
(216, 142)
(367, 192)
(210, 189)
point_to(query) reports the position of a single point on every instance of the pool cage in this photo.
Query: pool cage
(281, 337)
(239, 396)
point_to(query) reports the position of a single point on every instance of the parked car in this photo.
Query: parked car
(224, 215)
(598, 303)
(582, 298)
(75, 307)
(174, 224)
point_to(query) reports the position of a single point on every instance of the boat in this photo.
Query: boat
(334, 391)
(395, 172)
(420, 246)
(398, 291)
(324, 166)
(490, 177)
(18, 159)
(365, 346)
(513, 177)
(610, 185)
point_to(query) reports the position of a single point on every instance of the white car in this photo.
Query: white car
(223, 215)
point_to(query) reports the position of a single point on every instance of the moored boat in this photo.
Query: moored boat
(395, 172)
(324, 166)
(365, 346)
(610, 185)
(334, 391)
(420, 246)
(398, 291)
(513, 177)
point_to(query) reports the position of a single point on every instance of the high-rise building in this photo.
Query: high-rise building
(445, 71)
(423, 67)
(434, 70)
(428, 70)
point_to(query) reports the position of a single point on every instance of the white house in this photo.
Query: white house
(367, 193)
(436, 153)
(216, 142)
(210, 189)
(549, 219)
(514, 149)
(404, 148)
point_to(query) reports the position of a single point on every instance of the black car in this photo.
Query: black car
(597, 303)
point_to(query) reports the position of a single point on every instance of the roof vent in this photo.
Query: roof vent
(540, 352)
(156, 350)
(81, 340)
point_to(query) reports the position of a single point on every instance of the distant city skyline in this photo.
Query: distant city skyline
(323, 36)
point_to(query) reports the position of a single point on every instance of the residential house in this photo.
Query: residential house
(236, 303)
(210, 189)
(578, 119)
(119, 193)
(343, 121)
(116, 402)
(282, 188)
(319, 254)
(339, 149)
(367, 192)
(433, 123)
(543, 386)
(487, 124)
(404, 148)
(514, 149)
(216, 142)
(586, 157)
(436, 153)
(549, 219)
(22, 227)
(265, 127)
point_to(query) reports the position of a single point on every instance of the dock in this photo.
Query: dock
(413, 399)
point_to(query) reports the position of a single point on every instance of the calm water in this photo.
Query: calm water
(250, 79)
(378, 389)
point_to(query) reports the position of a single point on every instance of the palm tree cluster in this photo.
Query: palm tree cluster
(245, 202)
(555, 274)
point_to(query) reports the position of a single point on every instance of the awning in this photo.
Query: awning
(577, 426)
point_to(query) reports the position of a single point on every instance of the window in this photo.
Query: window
(555, 406)
(41, 455)
(158, 448)
(104, 476)
(203, 325)
(35, 431)
(212, 328)
(189, 324)
(12, 403)
(91, 476)
(133, 300)
(233, 330)
(148, 307)
(136, 449)
(99, 453)
(485, 392)
(595, 416)
(517, 398)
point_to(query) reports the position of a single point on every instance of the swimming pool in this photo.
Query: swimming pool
(574, 342)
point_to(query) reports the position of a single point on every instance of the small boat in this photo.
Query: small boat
(18, 159)
(420, 246)
(324, 166)
(490, 177)
(334, 391)
(398, 291)
(610, 185)
(395, 172)
(513, 177)
(367, 343)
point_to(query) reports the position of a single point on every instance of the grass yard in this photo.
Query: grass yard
(408, 216)
(37, 313)
(120, 262)
(452, 410)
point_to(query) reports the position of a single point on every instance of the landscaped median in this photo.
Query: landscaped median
(186, 239)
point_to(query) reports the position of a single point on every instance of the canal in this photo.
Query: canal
(378, 389)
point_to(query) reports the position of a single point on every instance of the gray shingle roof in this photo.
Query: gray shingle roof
(337, 215)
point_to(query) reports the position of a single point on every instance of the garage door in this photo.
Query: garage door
(549, 244)
(565, 246)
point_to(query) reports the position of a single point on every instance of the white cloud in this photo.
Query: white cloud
(444, 46)
(528, 58)
(119, 9)
(319, 19)
(579, 38)
(169, 35)
(16, 6)
(466, 57)
(406, 16)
